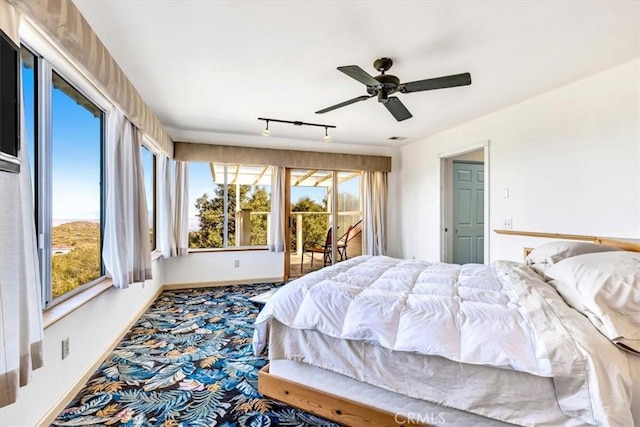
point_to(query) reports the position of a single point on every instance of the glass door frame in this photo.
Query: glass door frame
(288, 219)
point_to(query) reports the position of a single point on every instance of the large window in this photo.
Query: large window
(230, 205)
(149, 175)
(65, 145)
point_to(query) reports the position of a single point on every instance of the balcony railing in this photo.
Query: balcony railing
(244, 230)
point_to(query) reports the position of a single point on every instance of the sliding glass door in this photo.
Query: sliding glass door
(322, 221)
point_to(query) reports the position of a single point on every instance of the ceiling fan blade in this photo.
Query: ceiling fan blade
(344, 104)
(397, 109)
(437, 83)
(359, 74)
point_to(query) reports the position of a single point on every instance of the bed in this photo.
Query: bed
(385, 341)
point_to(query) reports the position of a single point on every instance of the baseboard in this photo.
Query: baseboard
(195, 285)
(69, 395)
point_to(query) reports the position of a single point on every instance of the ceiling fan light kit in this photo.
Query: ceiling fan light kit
(383, 85)
(327, 137)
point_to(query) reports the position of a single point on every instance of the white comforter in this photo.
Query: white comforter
(501, 316)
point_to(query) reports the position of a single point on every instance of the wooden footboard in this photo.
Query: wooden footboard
(330, 406)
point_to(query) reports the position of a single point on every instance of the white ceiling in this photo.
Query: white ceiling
(209, 69)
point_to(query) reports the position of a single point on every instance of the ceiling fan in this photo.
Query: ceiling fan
(386, 84)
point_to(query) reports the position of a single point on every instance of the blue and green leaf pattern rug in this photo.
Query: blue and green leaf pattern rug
(188, 361)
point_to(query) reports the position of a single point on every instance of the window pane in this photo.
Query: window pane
(246, 211)
(205, 208)
(149, 174)
(252, 184)
(76, 149)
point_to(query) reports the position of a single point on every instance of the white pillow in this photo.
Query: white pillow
(544, 256)
(605, 287)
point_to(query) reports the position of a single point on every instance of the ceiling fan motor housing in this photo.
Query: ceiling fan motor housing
(388, 85)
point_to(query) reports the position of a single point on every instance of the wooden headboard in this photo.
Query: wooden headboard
(632, 245)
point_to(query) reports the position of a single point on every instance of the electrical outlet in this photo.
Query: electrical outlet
(507, 224)
(236, 263)
(65, 348)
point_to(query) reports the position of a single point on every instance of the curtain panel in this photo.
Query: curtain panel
(277, 238)
(181, 209)
(127, 250)
(166, 235)
(21, 331)
(374, 213)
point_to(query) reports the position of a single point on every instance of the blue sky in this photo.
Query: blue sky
(76, 160)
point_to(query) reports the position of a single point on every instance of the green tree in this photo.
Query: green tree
(211, 216)
(314, 227)
(258, 201)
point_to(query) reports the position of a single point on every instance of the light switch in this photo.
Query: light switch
(505, 193)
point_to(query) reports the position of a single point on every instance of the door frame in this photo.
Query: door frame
(289, 219)
(287, 224)
(446, 202)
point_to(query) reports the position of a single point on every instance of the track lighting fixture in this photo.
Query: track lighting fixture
(265, 132)
(327, 137)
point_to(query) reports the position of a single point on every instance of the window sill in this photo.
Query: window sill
(231, 249)
(59, 311)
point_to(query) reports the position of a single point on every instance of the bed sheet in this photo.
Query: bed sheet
(501, 394)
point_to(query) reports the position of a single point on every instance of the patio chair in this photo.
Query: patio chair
(343, 241)
(316, 248)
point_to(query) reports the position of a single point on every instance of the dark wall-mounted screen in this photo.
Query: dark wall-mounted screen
(9, 105)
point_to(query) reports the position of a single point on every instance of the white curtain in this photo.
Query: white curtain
(276, 231)
(21, 331)
(166, 236)
(374, 213)
(181, 209)
(126, 251)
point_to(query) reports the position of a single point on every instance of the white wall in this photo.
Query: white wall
(203, 267)
(91, 329)
(570, 158)
(394, 243)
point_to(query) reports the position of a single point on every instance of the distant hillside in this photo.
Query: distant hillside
(76, 234)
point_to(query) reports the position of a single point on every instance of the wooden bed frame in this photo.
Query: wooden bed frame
(632, 245)
(353, 413)
(330, 406)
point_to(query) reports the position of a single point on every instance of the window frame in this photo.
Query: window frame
(44, 68)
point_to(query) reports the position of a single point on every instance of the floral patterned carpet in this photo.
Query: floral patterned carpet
(187, 361)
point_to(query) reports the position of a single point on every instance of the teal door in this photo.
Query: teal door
(468, 212)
